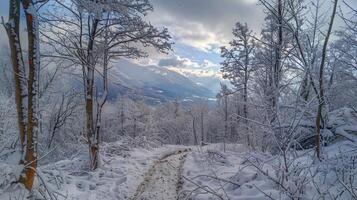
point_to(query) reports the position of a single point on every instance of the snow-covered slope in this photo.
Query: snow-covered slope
(153, 82)
(138, 169)
(123, 165)
(240, 173)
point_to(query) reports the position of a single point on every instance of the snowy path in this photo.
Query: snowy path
(162, 181)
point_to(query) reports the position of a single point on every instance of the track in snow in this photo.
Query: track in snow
(162, 181)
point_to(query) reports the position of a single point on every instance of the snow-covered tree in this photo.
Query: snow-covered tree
(238, 64)
(26, 78)
(90, 35)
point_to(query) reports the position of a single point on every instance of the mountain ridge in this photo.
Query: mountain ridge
(153, 83)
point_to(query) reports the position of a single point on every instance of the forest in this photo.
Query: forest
(98, 101)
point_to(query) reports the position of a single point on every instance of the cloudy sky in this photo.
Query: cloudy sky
(198, 28)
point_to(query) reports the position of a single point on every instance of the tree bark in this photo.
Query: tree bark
(27, 130)
(225, 120)
(245, 90)
(32, 85)
(89, 87)
(305, 87)
(277, 65)
(103, 98)
(321, 82)
(202, 128)
(12, 29)
(194, 130)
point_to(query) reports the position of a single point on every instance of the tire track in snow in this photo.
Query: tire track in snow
(162, 181)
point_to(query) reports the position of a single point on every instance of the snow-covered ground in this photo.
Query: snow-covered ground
(209, 173)
(242, 174)
(162, 181)
(167, 172)
(121, 171)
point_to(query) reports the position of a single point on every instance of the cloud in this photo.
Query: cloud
(205, 24)
(196, 72)
(207, 64)
(177, 61)
(189, 68)
(197, 35)
(173, 61)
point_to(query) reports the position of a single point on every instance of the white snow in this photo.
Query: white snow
(144, 171)
(209, 173)
(123, 167)
(120, 173)
(162, 180)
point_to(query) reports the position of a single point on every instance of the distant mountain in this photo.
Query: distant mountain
(153, 83)
(211, 82)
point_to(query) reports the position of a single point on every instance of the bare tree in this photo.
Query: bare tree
(65, 109)
(97, 33)
(26, 84)
(321, 97)
(194, 130)
(223, 98)
(276, 42)
(12, 27)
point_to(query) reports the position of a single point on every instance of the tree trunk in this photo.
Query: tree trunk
(202, 130)
(12, 29)
(277, 65)
(245, 112)
(225, 120)
(321, 82)
(134, 129)
(33, 78)
(194, 130)
(89, 118)
(122, 117)
(270, 79)
(103, 98)
(245, 91)
(305, 88)
(89, 86)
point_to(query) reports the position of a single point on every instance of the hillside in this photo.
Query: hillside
(154, 83)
